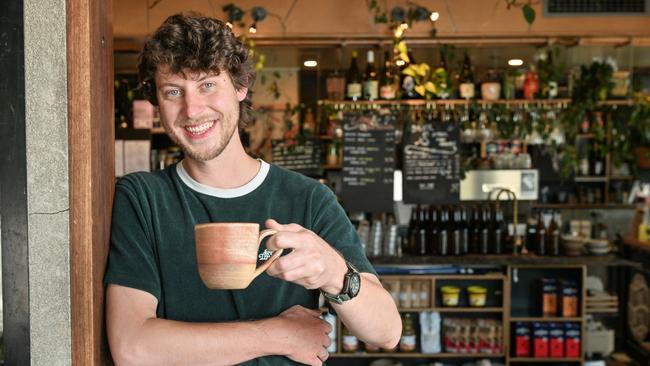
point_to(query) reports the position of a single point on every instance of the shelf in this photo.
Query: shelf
(468, 310)
(157, 131)
(528, 319)
(332, 167)
(584, 206)
(587, 179)
(421, 102)
(492, 260)
(545, 359)
(622, 177)
(417, 355)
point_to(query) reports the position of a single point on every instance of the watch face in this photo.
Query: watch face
(355, 285)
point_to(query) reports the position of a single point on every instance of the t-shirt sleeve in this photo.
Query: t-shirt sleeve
(132, 255)
(333, 225)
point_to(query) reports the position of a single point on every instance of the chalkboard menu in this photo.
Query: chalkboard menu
(368, 160)
(431, 165)
(303, 158)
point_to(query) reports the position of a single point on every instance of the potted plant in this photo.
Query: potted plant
(640, 130)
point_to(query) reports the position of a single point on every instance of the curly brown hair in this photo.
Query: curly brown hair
(195, 43)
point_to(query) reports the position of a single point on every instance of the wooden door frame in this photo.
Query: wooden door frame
(91, 168)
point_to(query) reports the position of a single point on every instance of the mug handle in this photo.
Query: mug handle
(273, 257)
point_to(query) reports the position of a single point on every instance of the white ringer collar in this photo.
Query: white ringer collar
(224, 192)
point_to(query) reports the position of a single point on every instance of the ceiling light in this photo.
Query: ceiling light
(310, 63)
(434, 16)
(515, 62)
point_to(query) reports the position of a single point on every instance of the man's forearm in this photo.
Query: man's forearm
(167, 342)
(372, 315)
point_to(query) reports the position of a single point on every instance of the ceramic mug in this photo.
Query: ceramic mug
(226, 253)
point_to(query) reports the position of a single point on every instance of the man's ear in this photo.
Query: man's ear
(241, 94)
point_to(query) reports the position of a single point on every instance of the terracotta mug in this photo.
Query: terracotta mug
(226, 253)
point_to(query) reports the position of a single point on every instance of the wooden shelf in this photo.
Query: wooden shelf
(416, 355)
(589, 179)
(157, 131)
(545, 359)
(467, 310)
(583, 206)
(332, 167)
(622, 177)
(491, 260)
(420, 102)
(528, 319)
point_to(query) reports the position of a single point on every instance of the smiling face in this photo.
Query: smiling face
(199, 110)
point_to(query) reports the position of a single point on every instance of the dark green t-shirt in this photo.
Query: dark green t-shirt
(152, 241)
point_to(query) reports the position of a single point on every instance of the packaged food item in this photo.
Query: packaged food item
(392, 286)
(569, 299)
(540, 339)
(451, 335)
(556, 339)
(477, 295)
(425, 289)
(331, 319)
(430, 332)
(405, 295)
(522, 339)
(549, 297)
(408, 341)
(450, 295)
(572, 339)
(350, 343)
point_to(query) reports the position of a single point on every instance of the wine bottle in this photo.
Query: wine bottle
(443, 232)
(499, 229)
(467, 87)
(433, 231)
(388, 85)
(541, 235)
(422, 232)
(484, 244)
(370, 80)
(553, 237)
(413, 231)
(353, 79)
(457, 234)
(444, 87)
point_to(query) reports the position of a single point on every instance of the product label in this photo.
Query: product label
(407, 343)
(350, 343)
(354, 90)
(371, 89)
(387, 92)
(467, 90)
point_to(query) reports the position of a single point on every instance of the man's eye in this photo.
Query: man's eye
(173, 92)
(209, 85)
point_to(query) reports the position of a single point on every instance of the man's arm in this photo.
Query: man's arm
(314, 264)
(137, 337)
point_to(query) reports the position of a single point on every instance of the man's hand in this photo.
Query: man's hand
(304, 335)
(312, 263)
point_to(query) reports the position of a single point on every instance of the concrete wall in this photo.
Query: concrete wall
(47, 181)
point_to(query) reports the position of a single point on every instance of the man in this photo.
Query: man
(158, 310)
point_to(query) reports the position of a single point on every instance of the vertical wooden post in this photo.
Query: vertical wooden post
(91, 163)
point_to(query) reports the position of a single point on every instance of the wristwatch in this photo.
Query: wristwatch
(351, 286)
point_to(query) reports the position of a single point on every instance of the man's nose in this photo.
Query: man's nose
(193, 105)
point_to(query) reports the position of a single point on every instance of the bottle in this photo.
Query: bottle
(596, 160)
(353, 80)
(499, 231)
(457, 234)
(443, 92)
(475, 231)
(464, 231)
(443, 232)
(467, 87)
(531, 84)
(541, 236)
(413, 231)
(422, 232)
(370, 80)
(553, 237)
(531, 234)
(349, 343)
(388, 84)
(407, 82)
(484, 244)
(433, 231)
(408, 340)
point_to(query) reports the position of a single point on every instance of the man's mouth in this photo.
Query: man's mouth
(197, 130)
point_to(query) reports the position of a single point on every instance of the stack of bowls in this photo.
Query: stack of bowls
(573, 245)
(597, 246)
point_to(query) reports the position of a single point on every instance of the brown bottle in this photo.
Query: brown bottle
(553, 237)
(540, 241)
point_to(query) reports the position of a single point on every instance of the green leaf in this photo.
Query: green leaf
(529, 13)
(381, 18)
